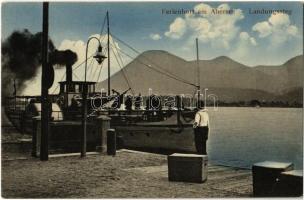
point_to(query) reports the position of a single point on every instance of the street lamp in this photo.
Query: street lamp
(99, 58)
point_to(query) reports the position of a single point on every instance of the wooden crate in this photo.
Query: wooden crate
(187, 167)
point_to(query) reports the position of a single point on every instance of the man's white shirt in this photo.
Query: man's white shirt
(202, 118)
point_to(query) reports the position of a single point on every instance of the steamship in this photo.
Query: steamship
(146, 127)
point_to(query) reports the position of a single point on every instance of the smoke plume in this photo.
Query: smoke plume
(66, 57)
(21, 58)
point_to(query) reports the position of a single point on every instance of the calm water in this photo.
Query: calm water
(243, 136)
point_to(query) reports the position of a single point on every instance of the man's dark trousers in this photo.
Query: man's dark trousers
(201, 137)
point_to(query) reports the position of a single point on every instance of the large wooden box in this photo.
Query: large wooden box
(187, 167)
(266, 175)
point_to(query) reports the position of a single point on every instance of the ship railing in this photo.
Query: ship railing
(20, 103)
(64, 115)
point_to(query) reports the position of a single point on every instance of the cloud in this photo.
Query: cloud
(269, 41)
(245, 37)
(264, 29)
(217, 29)
(279, 19)
(79, 47)
(278, 28)
(176, 29)
(244, 48)
(155, 36)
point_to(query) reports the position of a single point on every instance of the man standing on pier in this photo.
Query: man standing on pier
(201, 128)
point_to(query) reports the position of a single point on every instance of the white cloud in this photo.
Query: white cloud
(252, 41)
(79, 47)
(244, 36)
(203, 7)
(279, 19)
(224, 34)
(217, 29)
(155, 36)
(278, 28)
(263, 28)
(243, 48)
(292, 30)
(176, 29)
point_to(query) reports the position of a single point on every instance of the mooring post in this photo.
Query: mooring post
(111, 142)
(103, 124)
(36, 136)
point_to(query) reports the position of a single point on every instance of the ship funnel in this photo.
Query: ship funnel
(69, 72)
(64, 58)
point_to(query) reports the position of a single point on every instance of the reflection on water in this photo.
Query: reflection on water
(243, 136)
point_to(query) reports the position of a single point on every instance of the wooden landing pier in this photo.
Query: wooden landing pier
(130, 174)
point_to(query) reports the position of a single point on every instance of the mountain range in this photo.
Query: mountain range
(231, 81)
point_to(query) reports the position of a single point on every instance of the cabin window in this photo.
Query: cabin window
(76, 88)
(91, 88)
(71, 87)
(61, 88)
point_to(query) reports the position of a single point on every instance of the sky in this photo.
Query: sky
(245, 36)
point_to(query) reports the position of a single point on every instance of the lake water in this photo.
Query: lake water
(243, 136)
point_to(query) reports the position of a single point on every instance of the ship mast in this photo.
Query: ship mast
(109, 81)
(198, 76)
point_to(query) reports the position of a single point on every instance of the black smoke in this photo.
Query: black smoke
(21, 58)
(66, 57)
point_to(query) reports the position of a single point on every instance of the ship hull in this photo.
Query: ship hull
(157, 138)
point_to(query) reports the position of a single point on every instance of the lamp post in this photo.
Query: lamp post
(99, 58)
(205, 101)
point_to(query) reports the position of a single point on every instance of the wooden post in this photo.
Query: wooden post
(44, 154)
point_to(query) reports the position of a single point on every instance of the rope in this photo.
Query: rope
(77, 67)
(76, 75)
(121, 67)
(91, 71)
(124, 74)
(58, 84)
(149, 66)
(103, 25)
(167, 73)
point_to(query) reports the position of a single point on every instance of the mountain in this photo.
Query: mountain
(228, 79)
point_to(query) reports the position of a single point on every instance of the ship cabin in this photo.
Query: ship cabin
(70, 90)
